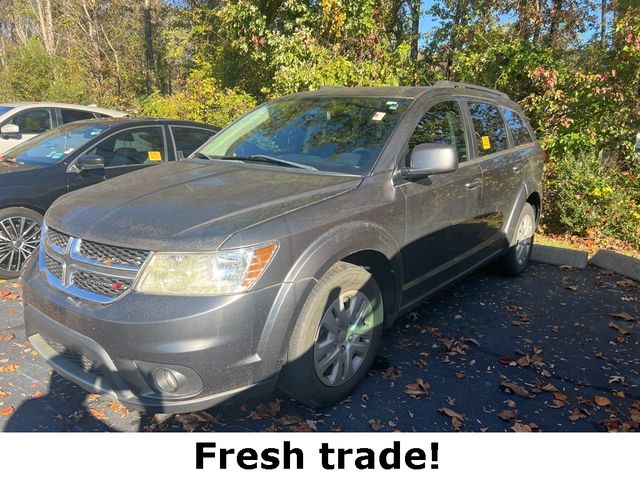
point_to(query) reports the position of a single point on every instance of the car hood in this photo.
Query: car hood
(188, 205)
(23, 169)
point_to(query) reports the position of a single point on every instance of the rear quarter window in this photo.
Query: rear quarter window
(490, 131)
(519, 131)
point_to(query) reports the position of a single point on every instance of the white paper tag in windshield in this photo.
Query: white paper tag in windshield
(378, 116)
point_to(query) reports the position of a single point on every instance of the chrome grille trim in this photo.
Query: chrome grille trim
(96, 279)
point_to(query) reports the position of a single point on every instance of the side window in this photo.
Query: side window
(442, 124)
(519, 130)
(132, 147)
(32, 121)
(491, 133)
(189, 139)
(69, 116)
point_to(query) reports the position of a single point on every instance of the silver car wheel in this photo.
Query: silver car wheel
(524, 239)
(19, 237)
(343, 339)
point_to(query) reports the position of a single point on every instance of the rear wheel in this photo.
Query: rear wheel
(335, 338)
(517, 257)
(19, 237)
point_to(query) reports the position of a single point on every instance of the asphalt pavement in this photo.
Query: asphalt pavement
(556, 349)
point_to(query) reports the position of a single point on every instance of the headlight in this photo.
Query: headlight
(219, 273)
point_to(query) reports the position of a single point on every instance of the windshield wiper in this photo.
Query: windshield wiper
(263, 159)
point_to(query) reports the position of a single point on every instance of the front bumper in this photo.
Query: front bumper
(217, 348)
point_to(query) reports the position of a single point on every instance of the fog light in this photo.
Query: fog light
(168, 380)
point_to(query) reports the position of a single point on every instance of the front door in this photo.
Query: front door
(31, 122)
(441, 225)
(123, 152)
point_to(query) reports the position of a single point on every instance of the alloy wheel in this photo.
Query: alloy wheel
(19, 237)
(524, 239)
(344, 338)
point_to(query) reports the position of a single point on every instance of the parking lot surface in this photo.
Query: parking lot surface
(556, 349)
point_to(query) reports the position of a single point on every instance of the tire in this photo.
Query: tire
(322, 341)
(19, 237)
(517, 258)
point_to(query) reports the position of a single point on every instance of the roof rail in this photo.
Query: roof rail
(470, 86)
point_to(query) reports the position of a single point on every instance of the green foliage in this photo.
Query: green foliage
(214, 60)
(202, 101)
(586, 197)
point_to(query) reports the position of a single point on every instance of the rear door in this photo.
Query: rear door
(441, 225)
(501, 170)
(124, 151)
(31, 122)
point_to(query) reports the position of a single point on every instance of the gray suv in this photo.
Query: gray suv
(278, 252)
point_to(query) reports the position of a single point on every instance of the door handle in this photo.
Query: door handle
(474, 184)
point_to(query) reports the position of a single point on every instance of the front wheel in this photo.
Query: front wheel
(517, 257)
(335, 338)
(19, 237)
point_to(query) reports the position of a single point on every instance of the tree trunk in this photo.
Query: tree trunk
(554, 22)
(45, 19)
(603, 24)
(148, 41)
(415, 28)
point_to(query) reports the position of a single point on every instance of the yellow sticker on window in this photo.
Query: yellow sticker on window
(155, 156)
(486, 143)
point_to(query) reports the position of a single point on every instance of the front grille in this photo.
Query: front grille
(101, 284)
(54, 267)
(85, 363)
(58, 239)
(108, 254)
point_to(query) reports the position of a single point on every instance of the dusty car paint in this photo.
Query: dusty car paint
(418, 236)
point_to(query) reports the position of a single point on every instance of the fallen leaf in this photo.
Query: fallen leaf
(451, 413)
(524, 361)
(418, 389)
(457, 424)
(560, 396)
(508, 414)
(12, 367)
(583, 400)
(37, 394)
(11, 312)
(622, 316)
(573, 288)
(97, 414)
(460, 375)
(391, 373)
(602, 401)
(9, 336)
(117, 407)
(520, 427)
(576, 415)
(549, 387)
(376, 424)
(266, 410)
(618, 329)
(514, 388)
(3, 394)
(7, 411)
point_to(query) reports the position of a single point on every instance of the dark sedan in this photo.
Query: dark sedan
(77, 155)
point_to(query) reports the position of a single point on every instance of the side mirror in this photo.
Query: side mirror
(431, 159)
(90, 162)
(10, 131)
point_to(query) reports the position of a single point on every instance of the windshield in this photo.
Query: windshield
(5, 109)
(54, 146)
(335, 134)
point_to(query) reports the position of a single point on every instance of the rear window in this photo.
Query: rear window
(490, 131)
(69, 116)
(188, 139)
(519, 130)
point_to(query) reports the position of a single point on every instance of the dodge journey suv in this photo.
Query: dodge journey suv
(277, 253)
